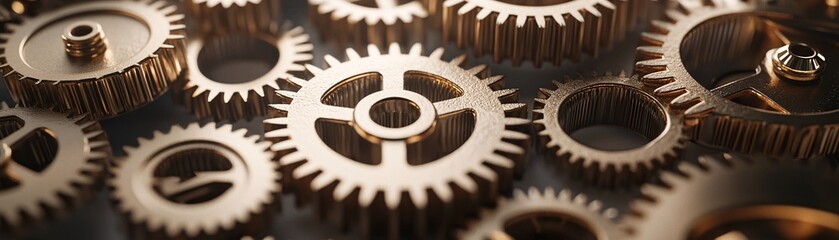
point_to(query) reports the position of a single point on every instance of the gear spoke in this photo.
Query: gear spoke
(394, 153)
(755, 83)
(19, 135)
(451, 105)
(336, 113)
(390, 83)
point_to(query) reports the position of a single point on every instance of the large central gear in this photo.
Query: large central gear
(400, 140)
(704, 58)
(51, 162)
(542, 30)
(103, 57)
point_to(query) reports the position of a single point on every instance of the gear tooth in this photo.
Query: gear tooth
(505, 92)
(292, 158)
(485, 173)
(595, 206)
(288, 94)
(483, 14)
(477, 69)
(519, 194)
(314, 70)
(321, 181)
(502, 18)
(493, 80)
(674, 15)
(419, 197)
(394, 49)
(550, 192)
(654, 191)
(580, 199)
(513, 106)
(514, 135)
(656, 39)
(366, 196)
(458, 60)
(540, 100)
(658, 78)
(352, 54)
(331, 60)
(443, 191)
(372, 50)
(466, 183)
(416, 50)
(651, 65)
(509, 148)
(533, 193)
(501, 161)
(302, 171)
(661, 26)
(437, 53)
(670, 89)
(698, 110)
(511, 121)
(278, 133)
(392, 199)
(343, 190)
(296, 81)
(687, 98)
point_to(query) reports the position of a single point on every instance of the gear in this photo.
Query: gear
(739, 199)
(196, 182)
(228, 16)
(115, 57)
(537, 31)
(537, 215)
(401, 141)
(362, 22)
(612, 100)
(52, 161)
(704, 58)
(208, 95)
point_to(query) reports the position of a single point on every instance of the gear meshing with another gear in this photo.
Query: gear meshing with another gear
(380, 22)
(399, 141)
(735, 198)
(704, 58)
(545, 215)
(208, 92)
(607, 99)
(51, 162)
(228, 16)
(104, 58)
(196, 182)
(539, 30)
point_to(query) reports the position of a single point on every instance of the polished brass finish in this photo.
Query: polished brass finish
(285, 52)
(739, 199)
(228, 16)
(51, 162)
(140, 57)
(541, 30)
(418, 138)
(606, 99)
(380, 22)
(547, 215)
(196, 182)
(726, 68)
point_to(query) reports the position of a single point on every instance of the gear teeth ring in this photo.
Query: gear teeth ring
(196, 182)
(34, 187)
(607, 99)
(374, 140)
(231, 16)
(546, 32)
(545, 209)
(358, 24)
(131, 76)
(206, 97)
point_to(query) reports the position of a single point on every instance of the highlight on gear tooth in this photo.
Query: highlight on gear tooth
(414, 129)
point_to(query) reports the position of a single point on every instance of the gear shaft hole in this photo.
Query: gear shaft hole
(194, 165)
(538, 226)
(81, 30)
(395, 112)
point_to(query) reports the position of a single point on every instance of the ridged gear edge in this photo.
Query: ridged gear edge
(353, 25)
(218, 102)
(538, 33)
(138, 85)
(157, 227)
(548, 201)
(334, 195)
(618, 172)
(66, 194)
(233, 15)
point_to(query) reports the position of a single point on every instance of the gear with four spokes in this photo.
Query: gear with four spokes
(607, 100)
(196, 182)
(51, 162)
(206, 94)
(735, 198)
(537, 31)
(545, 215)
(104, 58)
(399, 141)
(380, 22)
(228, 16)
(704, 58)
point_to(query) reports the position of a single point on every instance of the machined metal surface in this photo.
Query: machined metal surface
(89, 70)
(358, 23)
(196, 182)
(226, 16)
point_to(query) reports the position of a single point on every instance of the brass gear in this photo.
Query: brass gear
(399, 140)
(228, 16)
(607, 99)
(225, 100)
(196, 182)
(380, 22)
(52, 163)
(545, 215)
(771, 110)
(101, 67)
(537, 31)
(739, 199)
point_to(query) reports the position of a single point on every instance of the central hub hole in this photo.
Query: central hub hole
(189, 164)
(548, 226)
(237, 59)
(802, 50)
(395, 112)
(81, 30)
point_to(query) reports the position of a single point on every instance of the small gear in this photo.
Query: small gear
(103, 57)
(739, 199)
(206, 94)
(704, 58)
(537, 31)
(362, 22)
(612, 100)
(399, 141)
(52, 162)
(196, 182)
(537, 215)
(226, 16)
